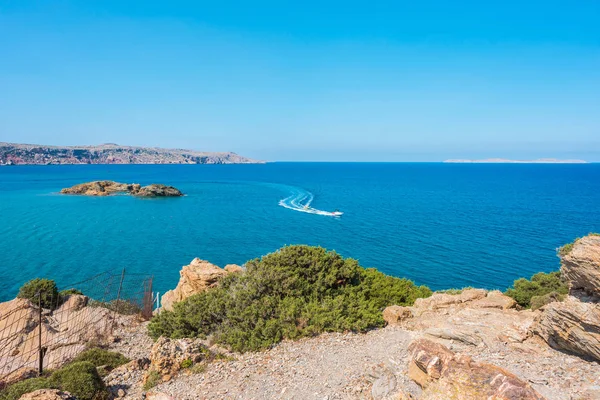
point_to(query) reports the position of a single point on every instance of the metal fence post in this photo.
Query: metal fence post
(118, 301)
(40, 350)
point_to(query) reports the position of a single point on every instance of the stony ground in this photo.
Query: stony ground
(353, 366)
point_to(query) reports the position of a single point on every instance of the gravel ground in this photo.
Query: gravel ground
(351, 366)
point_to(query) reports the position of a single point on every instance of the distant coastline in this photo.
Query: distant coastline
(110, 153)
(508, 161)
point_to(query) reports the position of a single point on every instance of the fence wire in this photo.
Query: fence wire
(48, 330)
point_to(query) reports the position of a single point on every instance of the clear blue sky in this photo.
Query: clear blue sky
(306, 80)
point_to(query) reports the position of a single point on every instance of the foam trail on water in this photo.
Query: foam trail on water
(301, 200)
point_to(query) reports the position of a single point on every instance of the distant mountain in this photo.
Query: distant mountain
(110, 153)
(507, 161)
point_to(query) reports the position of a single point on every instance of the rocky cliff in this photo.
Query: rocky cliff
(21, 154)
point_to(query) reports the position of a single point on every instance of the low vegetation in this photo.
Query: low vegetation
(541, 289)
(40, 291)
(109, 360)
(78, 378)
(152, 380)
(567, 248)
(295, 292)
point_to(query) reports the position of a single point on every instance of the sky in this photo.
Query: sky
(307, 80)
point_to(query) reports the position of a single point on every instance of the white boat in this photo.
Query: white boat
(337, 213)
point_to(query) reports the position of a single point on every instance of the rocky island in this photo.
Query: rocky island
(107, 188)
(508, 161)
(110, 153)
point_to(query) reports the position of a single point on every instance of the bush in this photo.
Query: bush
(47, 290)
(80, 379)
(540, 301)
(152, 380)
(295, 292)
(68, 292)
(541, 284)
(16, 390)
(100, 357)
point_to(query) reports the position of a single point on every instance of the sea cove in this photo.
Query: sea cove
(441, 225)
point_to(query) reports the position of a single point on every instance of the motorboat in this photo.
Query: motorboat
(337, 213)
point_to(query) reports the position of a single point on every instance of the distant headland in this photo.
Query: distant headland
(507, 161)
(110, 153)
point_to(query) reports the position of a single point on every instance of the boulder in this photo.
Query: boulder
(233, 268)
(66, 331)
(197, 277)
(152, 395)
(444, 375)
(395, 315)
(157, 190)
(48, 394)
(581, 266)
(444, 300)
(495, 299)
(167, 355)
(572, 326)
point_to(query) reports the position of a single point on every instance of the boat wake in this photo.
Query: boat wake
(301, 201)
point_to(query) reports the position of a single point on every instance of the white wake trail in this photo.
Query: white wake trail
(301, 201)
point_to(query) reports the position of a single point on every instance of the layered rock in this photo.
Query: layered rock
(447, 376)
(48, 394)
(581, 265)
(65, 332)
(572, 326)
(195, 278)
(107, 188)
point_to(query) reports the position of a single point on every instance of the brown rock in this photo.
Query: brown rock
(444, 300)
(447, 376)
(581, 266)
(158, 396)
(167, 355)
(233, 268)
(495, 299)
(98, 188)
(197, 277)
(48, 394)
(394, 315)
(157, 190)
(572, 326)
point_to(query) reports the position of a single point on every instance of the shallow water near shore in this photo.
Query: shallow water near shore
(442, 225)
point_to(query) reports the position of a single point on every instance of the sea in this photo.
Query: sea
(440, 225)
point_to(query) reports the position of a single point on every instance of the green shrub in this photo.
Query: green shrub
(186, 363)
(153, 379)
(16, 390)
(295, 292)
(68, 292)
(100, 357)
(540, 284)
(47, 290)
(540, 301)
(81, 379)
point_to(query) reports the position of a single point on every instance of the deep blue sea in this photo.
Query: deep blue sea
(443, 225)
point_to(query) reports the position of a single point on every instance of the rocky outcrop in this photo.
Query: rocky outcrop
(66, 331)
(581, 265)
(197, 277)
(48, 394)
(167, 356)
(157, 190)
(107, 188)
(572, 326)
(395, 315)
(447, 376)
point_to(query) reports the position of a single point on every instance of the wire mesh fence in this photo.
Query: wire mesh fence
(48, 328)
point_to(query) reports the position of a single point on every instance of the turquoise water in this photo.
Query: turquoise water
(443, 225)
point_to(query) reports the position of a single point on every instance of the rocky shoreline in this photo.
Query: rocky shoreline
(473, 344)
(110, 153)
(107, 188)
